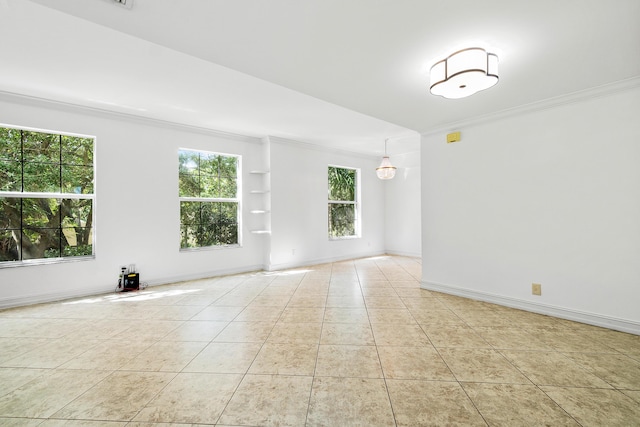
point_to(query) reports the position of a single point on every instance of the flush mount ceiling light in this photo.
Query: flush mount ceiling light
(464, 73)
(386, 170)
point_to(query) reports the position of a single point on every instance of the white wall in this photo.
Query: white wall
(299, 233)
(136, 180)
(137, 210)
(402, 207)
(551, 197)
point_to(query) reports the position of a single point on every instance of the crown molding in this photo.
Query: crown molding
(546, 104)
(34, 101)
(317, 147)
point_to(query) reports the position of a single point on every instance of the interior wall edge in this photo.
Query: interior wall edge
(594, 319)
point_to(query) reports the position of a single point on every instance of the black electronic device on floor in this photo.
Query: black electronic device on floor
(131, 282)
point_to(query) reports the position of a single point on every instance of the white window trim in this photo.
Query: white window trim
(41, 195)
(237, 199)
(357, 203)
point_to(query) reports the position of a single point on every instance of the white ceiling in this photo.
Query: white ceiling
(342, 73)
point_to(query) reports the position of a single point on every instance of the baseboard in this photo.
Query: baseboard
(609, 322)
(19, 301)
(22, 300)
(204, 275)
(404, 253)
(306, 263)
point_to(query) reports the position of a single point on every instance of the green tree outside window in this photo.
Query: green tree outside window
(46, 195)
(343, 202)
(208, 191)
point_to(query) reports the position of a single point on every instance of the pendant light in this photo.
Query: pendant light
(386, 170)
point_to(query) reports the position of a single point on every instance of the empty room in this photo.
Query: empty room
(319, 213)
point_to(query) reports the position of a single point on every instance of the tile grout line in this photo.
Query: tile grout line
(457, 380)
(244, 375)
(384, 377)
(315, 367)
(195, 356)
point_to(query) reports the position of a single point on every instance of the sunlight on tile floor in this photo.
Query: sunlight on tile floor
(354, 343)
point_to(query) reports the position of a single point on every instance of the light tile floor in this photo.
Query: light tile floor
(349, 343)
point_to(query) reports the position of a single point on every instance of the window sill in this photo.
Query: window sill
(211, 248)
(344, 238)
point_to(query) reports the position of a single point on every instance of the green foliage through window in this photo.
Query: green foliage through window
(46, 195)
(343, 202)
(208, 190)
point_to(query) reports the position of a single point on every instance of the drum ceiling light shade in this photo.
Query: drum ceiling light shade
(464, 73)
(386, 170)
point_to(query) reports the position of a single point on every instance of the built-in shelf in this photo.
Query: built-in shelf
(260, 184)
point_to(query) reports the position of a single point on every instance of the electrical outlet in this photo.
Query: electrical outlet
(536, 289)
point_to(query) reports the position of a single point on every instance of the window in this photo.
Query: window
(344, 198)
(46, 196)
(209, 203)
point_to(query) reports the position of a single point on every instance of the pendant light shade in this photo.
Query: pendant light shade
(386, 170)
(464, 73)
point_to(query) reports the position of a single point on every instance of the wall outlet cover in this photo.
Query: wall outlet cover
(536, 289)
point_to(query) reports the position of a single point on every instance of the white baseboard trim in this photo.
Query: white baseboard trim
(404, 253)
(204, 275)
(22, 300)
(306, 263)
(609, 322)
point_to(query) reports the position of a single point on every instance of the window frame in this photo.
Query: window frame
(237, 199)
(357, 226)
(58, 195)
